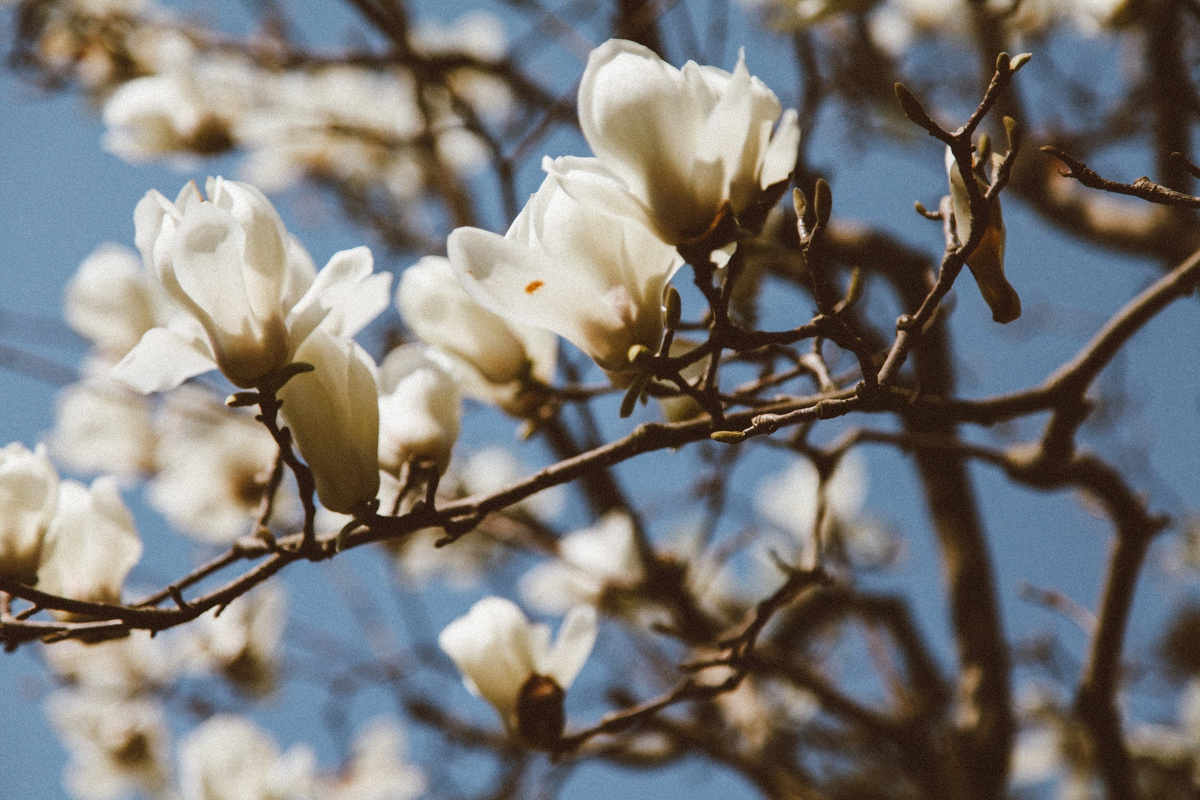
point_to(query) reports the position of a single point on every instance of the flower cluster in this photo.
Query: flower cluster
(592, 252)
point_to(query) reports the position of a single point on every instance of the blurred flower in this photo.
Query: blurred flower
(127, 667)
(214, 467)
(112, 302)
(91, 543)
(986, 261)
(419, 408)
(510, 662)
(193, 107)
(591, 561)
(118, 746)
(377, 769)
(244, 286)
(497, 353)
(242, 643)
(102, 426)
(593, 278)
(703, 137)
(28, 497)
(479, 35)
(228, 757)
(333, 412)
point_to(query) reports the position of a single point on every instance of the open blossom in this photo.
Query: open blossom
(214, 465)
(333, 412)
(242, 643)
(673, 145)
(118, 745)
(594, 278)
(378, 769)
(102, 426)
(228, 757)
(591, 561)
(246, 291)
(91, 544)
(443, 315)
(986, 261)
(510, 662)
(419, 406)
(28, 498)
(112, 301)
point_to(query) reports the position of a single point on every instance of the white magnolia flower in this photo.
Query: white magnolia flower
(591, 561)
(242, 643)
(443, 315)
(333, 412)
(511, 663)
(126, 667)
(118, 746)
(214, 466)
(192, 108)
(789, 499)
(245, 288)
(111, 301)
(702, 136)
(228, 757)
(102, 426)
(344, 123)
(493, 468)
(986, 261)
(419, 406)
(592, 277)
(378, 769)
(91, 543)
(28, 498)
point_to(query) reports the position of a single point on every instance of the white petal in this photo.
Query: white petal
(492, 645)
(161, 361)
(575, 640)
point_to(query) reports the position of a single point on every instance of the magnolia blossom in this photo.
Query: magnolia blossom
(112, 301)
(673, 145)
(28, 498)
(986, 261)
(101, 426)
(245, 288)
(377, 769)
(214, 467)
(591, 561)
(191, 108)
(511, 663)
(126, 667)
(499, 352)
(242, 643)
(228, 757)
(419, 407)
(333, 412)
(117, 745)
(789, 501)
(592, 277)
(91, 543)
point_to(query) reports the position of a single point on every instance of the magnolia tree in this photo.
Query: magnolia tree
(640, 409)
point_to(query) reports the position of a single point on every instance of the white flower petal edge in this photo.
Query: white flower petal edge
(497, 649)
(594, 278)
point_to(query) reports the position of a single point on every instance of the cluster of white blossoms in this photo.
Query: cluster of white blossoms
(169, 91)
(592, 252)
(110, 710)
(896, 25)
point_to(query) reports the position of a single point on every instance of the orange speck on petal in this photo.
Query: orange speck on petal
(534, 286)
